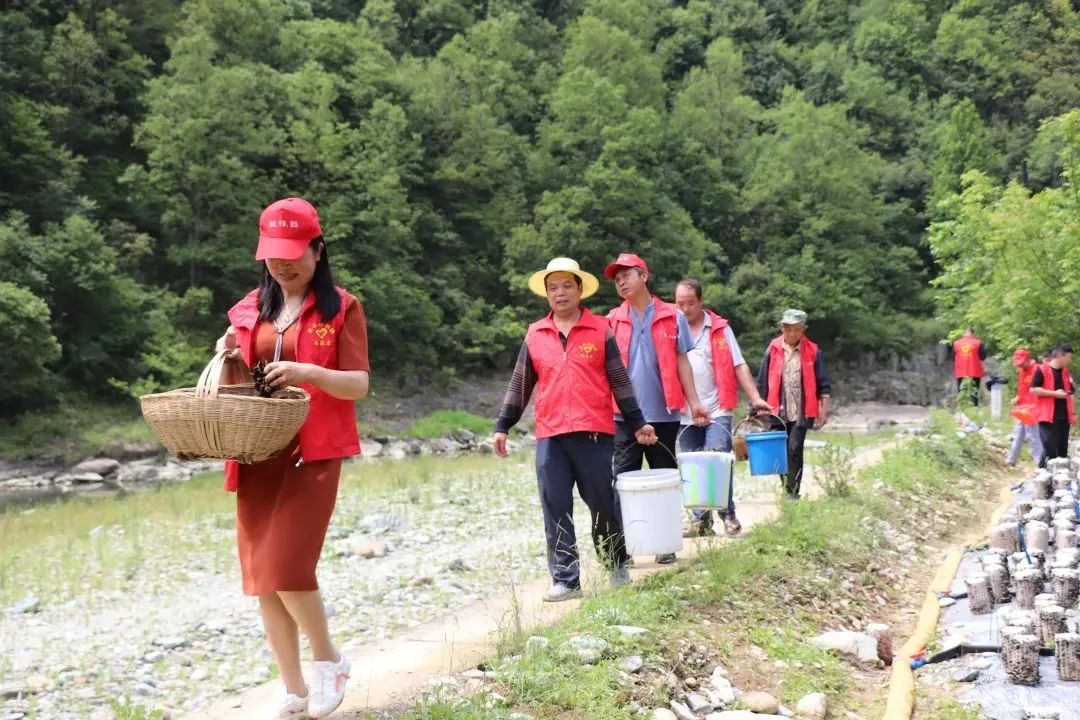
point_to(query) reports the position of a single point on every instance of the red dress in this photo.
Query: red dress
(282, 512)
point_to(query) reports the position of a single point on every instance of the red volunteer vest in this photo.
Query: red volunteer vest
(572, 389)
(727, 393)
(665, 335)
(966, 362)
(330, 428)
(1045, 405)
(1024, 376)
(807, 357)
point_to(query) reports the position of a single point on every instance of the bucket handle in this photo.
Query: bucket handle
(731, 432)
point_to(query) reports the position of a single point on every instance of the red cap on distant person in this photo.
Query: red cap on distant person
(1021, 356)
(286, 228)
(625, 260)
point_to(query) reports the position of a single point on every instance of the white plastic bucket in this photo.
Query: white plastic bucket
(706, 478)
(651, 504)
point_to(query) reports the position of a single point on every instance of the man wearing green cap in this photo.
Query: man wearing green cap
(793, 380)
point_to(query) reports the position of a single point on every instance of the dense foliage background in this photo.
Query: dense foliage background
(787, 153)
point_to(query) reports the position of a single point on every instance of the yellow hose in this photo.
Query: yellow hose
(901, 702)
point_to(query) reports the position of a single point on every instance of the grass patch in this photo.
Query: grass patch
(817, 567)
(946, 710)
(75, 429)
(443, 422)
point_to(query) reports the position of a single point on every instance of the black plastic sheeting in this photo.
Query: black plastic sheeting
(1000, 699)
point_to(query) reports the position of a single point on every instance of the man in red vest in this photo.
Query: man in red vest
(968, 355)
(570, 360)
(793, 380)
(1025, 371)
(719, 372)
(653, 338)
(1052, 386)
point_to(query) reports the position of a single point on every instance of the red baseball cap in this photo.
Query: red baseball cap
(625, 260)
(286, 228)
(1021, 356)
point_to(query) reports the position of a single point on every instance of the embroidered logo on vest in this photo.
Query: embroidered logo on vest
(324, 334)
(586, 350)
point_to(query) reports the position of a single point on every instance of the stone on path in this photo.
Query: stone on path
(849, 644)
(698, 704)
(536, 644)
(663, 714)
(586, 648)
(814, 706)
(29, 604)
(760, 702)
(682, 712)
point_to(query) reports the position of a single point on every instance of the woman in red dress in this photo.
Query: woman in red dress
(313, 335)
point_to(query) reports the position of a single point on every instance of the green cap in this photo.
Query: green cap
(793, 317)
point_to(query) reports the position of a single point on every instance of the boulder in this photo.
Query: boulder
(760, 702)
(814, 706)
(849, 644)
(101, 466)
(586, 648)
(79, 479)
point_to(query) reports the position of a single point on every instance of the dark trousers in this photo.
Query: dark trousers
(796, 437)
(630, 454)
(584, 460)
(973, 393)
(1055, 440)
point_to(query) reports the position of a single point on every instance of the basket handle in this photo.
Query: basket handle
(210, 379)
(755, 419)
(208, 386)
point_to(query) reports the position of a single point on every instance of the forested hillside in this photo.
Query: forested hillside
(787, 153)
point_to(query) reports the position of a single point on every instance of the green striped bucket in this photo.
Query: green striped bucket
(706, 478)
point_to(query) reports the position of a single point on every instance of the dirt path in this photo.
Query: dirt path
(387, 675)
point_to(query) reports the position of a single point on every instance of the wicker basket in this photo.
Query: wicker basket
(213, 420)
(754, 423)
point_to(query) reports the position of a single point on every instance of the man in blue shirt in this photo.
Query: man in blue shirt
(653, 337)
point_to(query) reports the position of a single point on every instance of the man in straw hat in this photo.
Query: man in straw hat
(570, 360)
(653, 338)
(793, 380)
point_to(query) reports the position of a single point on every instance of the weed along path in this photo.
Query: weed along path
(388, 674)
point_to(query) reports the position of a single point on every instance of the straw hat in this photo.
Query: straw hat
(589, 283)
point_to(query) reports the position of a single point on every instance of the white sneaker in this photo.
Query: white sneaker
(328, 687)
(291, 707)
(559, 592)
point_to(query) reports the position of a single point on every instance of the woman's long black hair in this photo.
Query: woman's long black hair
(327, 300)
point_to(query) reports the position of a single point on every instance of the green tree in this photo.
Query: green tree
(29, 350)
(1010, 259)
(963, 143)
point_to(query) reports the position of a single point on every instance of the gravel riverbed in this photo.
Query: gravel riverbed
(175, 632)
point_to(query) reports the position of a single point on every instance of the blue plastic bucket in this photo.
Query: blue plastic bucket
(767, 452)
(706, 478)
